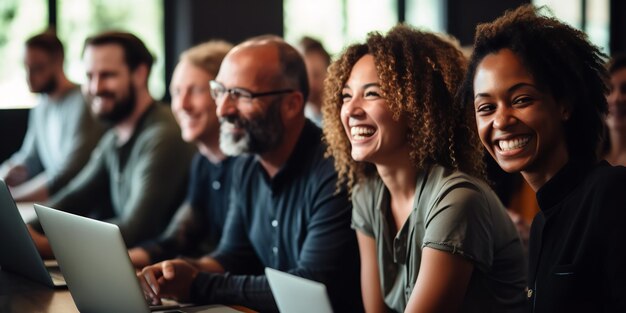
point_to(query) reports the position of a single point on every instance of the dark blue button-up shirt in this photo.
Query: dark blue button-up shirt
(294, 222)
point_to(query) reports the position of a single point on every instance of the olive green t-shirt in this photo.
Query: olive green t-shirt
(452, 212)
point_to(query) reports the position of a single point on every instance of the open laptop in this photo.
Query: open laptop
(94, 260)
(296, 294)
(20, 256)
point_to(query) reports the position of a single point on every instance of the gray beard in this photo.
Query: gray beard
(233, 145)
(260, 134)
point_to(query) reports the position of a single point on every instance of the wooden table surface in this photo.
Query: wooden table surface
(20, 295)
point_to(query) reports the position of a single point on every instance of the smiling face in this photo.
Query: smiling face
(616, 119)
(110, 88)
(374, 135)
(254, 125)
(192, 104)
(520, 125)
(41, 70)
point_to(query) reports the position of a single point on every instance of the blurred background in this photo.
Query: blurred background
(171, 26)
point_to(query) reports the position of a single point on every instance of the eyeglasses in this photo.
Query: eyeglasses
(218, 91)
(193, 90)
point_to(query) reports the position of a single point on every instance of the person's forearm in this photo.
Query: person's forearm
(207, 264)
(250, 291)
(33, 190)
(4, 169)
(14, 174)
(139, 257)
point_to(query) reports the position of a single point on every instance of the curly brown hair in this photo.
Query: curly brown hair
(419, 73)
(561, 60)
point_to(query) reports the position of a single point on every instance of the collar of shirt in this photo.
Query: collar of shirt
(309, 139)
(559, 186)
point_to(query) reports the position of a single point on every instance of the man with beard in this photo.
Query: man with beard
(286, 212)
(61, 132)
(136, 177)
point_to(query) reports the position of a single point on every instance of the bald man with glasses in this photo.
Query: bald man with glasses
(285, 212)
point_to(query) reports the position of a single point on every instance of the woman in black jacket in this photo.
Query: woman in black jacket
(538, 90)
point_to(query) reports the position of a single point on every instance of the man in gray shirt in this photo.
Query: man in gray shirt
(136, 177)
(61, 131)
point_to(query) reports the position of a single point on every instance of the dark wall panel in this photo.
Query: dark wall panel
(189, 22)
(617, 39)
(12, 130)
(463, 15)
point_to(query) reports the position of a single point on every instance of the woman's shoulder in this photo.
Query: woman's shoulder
(602, 181)
(445, 187)
(444, 179)
(367, 202)
(606, 174)
(607, 182)
(603, 197)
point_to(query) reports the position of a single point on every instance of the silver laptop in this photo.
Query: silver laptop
(294, 294)
(94, 260)
(20, 255)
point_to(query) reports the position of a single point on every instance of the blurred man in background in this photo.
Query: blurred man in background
(137, 176)
(61, 131)
(317, 61)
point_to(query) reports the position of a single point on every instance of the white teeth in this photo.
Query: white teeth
(186, 119)
(360, 132)
(516, 143)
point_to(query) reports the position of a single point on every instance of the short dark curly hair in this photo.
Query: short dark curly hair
(563, 63)
(419, 73)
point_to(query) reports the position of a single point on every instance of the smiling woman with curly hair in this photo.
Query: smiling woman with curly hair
(418, 75)
(432, 235)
